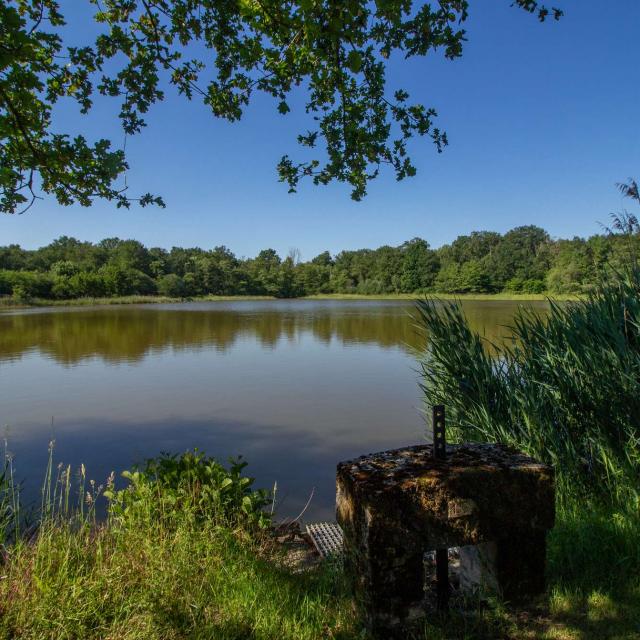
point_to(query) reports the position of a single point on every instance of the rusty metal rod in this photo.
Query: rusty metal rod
(442, 579)
(439, 433)
(442, 555)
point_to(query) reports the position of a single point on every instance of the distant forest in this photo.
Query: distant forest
(524, 260)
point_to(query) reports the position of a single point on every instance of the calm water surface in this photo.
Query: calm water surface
(293, 386)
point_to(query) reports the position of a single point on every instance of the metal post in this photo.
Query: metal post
(442, 579)
(439, 433)
(442, 555)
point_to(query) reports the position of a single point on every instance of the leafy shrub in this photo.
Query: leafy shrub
(6, 285)
(123, 281)
(20, 293)
(370, 287)
(171, 285)
(29, 284)
(87, 284)
(62, 288)
(191, 285)
(169, 486)
(83, 284)
(64, 268)
(533, 286)
(521, 285)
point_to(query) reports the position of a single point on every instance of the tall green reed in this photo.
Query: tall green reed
(564, 388)
(9, 500)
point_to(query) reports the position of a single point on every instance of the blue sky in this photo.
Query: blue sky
(542, 122)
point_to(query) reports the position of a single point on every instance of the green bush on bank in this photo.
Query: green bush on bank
(25, 284)
(192, 482)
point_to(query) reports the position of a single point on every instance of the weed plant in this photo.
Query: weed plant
(184, 551)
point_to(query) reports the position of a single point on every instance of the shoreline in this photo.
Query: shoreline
(8, 303)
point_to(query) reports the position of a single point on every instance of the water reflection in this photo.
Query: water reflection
(293, 386)
(128, 334)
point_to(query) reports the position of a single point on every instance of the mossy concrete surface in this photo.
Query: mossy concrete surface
(396, 505)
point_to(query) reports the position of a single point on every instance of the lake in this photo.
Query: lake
(293, 386)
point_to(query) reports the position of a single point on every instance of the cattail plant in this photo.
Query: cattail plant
(564, 387)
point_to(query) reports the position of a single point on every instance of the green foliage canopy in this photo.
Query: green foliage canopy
(221, 53)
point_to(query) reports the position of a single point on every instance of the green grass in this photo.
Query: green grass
(191, 579)
(10, 303)
(183, 554)
(443, 296)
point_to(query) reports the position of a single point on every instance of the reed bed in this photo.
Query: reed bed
(564, 388)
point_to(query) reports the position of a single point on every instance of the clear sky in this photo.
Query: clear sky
(543, 120)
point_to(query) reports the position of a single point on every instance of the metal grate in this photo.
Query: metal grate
(327, 538)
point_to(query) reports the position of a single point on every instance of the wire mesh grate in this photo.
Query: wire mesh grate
(327, 538)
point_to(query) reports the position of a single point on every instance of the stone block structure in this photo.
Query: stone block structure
(395, 506)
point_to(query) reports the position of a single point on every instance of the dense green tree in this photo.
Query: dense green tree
(13, 258)
(341, 274)
(522, 254)
(171, 285)
(289, 285)
(83, 254)
(574, 267)
(158, 261)
(87, 284)
(524, 260)
(26, 284)
(182, 261)
(124, 281)
(65, 268)
(448, 279)
(474, 277)
(129, 254)
(420, 266)
(475, 246)
(314, 277)
(387, 269)
(265, 270)
(323, 259)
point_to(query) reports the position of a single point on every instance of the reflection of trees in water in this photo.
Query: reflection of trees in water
(128, 334)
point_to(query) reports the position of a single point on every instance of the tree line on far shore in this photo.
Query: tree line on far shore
(523, 260)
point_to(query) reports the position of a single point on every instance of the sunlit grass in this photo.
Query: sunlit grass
(191, 580)
(444, 296)
(11, 303)
(183, 554)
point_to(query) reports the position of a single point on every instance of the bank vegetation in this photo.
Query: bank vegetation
(523, 261)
